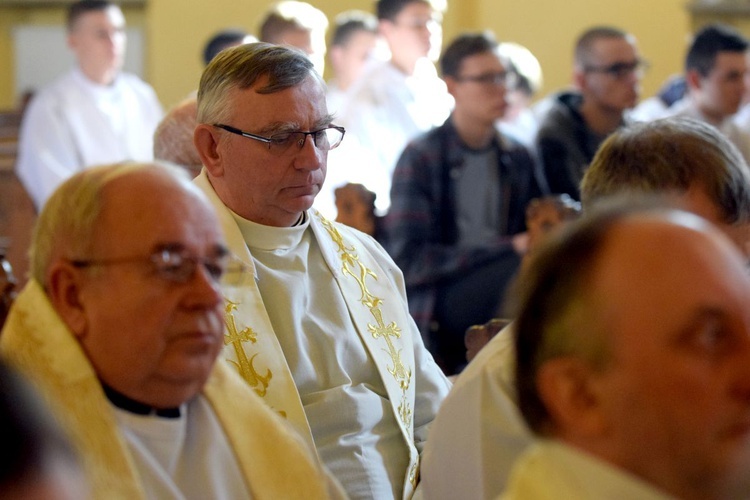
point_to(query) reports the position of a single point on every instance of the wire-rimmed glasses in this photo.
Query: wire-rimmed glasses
(324, 139)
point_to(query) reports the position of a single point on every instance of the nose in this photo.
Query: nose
(205, 291)
(309, 156)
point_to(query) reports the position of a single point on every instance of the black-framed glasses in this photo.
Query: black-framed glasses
(324, 139)
(177, 265)
(619, 70)
(505, 78)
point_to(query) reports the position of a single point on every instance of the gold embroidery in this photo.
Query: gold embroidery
(414, 473)
(244, 365)
(400, 372)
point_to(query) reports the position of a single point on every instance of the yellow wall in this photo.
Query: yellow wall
(15, 16)
(549, 28)
(177, 29)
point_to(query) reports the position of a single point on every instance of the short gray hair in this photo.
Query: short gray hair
(242, 67)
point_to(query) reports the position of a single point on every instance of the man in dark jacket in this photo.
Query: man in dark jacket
(456, 224)
(607, 77)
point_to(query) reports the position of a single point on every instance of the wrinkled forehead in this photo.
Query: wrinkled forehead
(665, 266)
(142, 208)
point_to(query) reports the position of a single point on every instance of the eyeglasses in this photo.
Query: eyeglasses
(177, 265)
(324, 139)
(619, 70)
(504, 78)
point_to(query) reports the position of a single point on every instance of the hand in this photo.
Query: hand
(356, 207)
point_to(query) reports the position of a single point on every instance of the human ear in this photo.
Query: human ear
(64, 290)
(579, 78)
(206, 143)
(693, 79)
(565, 386)
(451, 84)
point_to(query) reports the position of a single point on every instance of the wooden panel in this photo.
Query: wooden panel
(17, 213)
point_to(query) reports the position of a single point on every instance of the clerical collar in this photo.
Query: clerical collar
(302, 219)
(123, 402)
(259, 237)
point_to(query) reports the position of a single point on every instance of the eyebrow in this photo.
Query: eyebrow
(283, 127)
(217, 250)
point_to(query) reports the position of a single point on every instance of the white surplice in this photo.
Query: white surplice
(320, 328)
(272, 461)
(183, 458)
(551, 470)
(481, 423)
(75, 123)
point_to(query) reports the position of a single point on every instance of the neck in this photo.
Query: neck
(128, 404)
(100, 77)
(708, 115)
(406, 66)
(600, 120)
(473, 133)
(343, 83)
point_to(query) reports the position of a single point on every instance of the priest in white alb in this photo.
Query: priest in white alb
(319, 326)
(94, 114)
(120, 327)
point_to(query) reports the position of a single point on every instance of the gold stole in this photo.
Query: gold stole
(250, 343)
(378, 315)
(38, 342)
(275, 461)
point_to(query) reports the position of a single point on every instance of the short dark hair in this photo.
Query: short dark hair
(708, 43)
(586, 41)
(221, 41)
(463, 46)
(388, 10)
(77, 9)
(672, 154)
(350, 22)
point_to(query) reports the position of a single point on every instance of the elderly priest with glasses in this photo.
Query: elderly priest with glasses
(120, 327)
(319, 327)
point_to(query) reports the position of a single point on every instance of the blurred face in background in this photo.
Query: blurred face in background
(480, 88)
(719, 94)
(611, 75)
(97, 38)
(415, 33)
(349, 59)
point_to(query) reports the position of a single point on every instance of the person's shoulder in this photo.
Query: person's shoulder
(495, 359)
(429, 140)
(54, 97)
(561, 109)
(510, 144)
(377, 85)
(56, 89)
